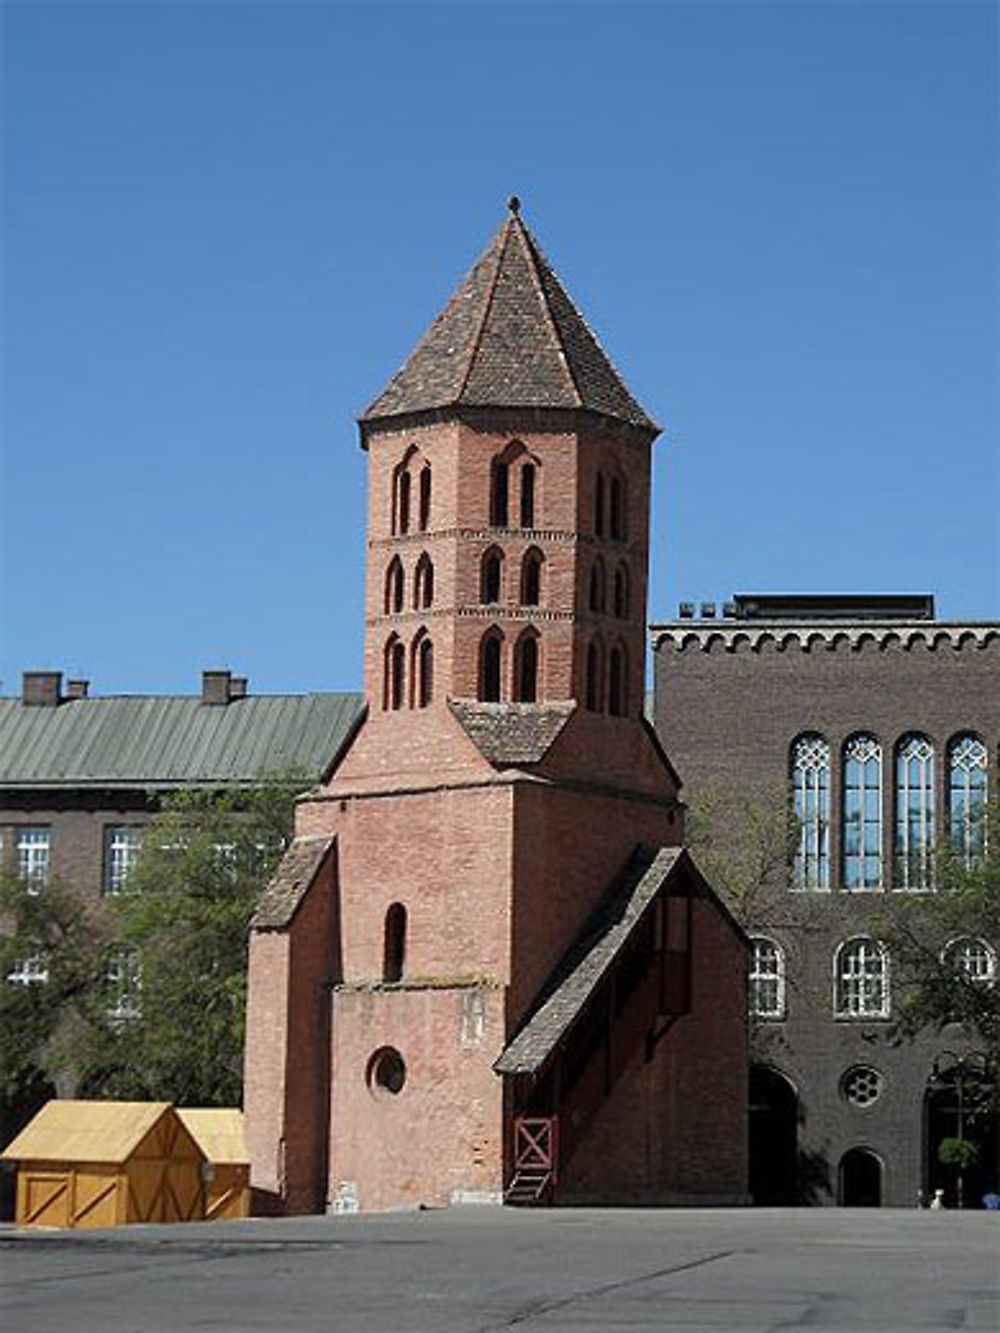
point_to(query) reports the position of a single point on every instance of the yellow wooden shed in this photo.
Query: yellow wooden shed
(218, 1131)
(101, 1164)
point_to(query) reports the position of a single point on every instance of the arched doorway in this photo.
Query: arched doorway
(774, 1127)
(860, 1179)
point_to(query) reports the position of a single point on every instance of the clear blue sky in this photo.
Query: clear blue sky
(226, 225)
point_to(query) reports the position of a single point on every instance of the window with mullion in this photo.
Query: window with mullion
(914, 813)
(967, 792)
(862, 815)
(811, 795)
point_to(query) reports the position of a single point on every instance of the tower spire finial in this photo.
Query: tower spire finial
(514, 204)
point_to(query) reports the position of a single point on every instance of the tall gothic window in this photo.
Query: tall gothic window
(617, 682)
(861, 980)
(531, 577)
(403, 501)
(967, 793)
(490, 650)
(393, 691)
(423, 583)
(394, 944)
(424, 504)
(811, 799)
(499, 494)
(862, 820)
(491, 576)
(528, 495)
(526, 668)
(767, 979)
(422, 670)
(914, 812)
(394, 586)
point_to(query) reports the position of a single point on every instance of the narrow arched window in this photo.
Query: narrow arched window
(394, 944)
(862, 818)
(491, 576)
(394, 587)
(914, 842)
(499, 494)
(616, 509)
(617, 685)
(621, 592)
(531, 578)
(423, 583)
(767, 979)
(811, 803)
(424, 507)
(592, 684)
(489, 667)
(861, 980)
(403, 501)
(422, 669)
(972, 959)
(598, 586)
(526, 668)
(528, 495)
(394, 674)
(967, 793)
(599, 505)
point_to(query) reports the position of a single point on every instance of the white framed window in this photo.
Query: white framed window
(33, 848)
(974, 957)
(914, 813)
(124, 984)
(862, 819)
(767, 978)
(32, 971)
(968, 777)
(811, 798)
(122, 843)
(861, 980)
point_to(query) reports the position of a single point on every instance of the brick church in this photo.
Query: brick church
(487, 969)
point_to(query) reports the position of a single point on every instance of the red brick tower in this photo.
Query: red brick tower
(486, 967)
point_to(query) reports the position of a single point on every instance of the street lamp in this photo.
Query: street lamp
(950, 1070)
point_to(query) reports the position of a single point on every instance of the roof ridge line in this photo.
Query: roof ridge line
(536, 258)
(487, 307)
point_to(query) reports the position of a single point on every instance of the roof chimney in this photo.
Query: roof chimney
(41, 689)
(215, 687)
(77, 689)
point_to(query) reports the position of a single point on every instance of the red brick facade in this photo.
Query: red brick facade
(490, 799)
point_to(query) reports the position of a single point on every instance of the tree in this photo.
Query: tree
(944, 944)
(176, 968)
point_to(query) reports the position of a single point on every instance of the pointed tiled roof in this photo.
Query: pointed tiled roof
(509, 337)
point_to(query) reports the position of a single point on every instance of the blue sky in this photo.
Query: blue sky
(226, 225)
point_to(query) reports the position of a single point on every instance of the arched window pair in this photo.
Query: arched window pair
(515, 470)
(411, 493)
(423, 585)
(609, 506)
(491, 577)
(525, 666)
(610, 692)
(421, 672)
(861, 979)
(597, 591)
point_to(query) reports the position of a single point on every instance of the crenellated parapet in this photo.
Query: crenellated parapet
(832, 636)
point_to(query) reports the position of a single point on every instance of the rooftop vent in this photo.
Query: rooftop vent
(708, 610)
(41, 689)
(77, 689)
(686, 610)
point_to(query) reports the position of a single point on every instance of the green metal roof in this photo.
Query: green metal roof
(168, 741)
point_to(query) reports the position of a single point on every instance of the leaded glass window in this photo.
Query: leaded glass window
(967, 791)
(811, 795)
(767, 979)
(121, 848)
(33, 847)
(861, 980)
(862, 821)
(914, 812)
(974, 958)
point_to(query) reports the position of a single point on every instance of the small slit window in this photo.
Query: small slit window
(526, 668)
(491, 577)
(394, 944)
(621, 598)
(616, 509)
(423, 583)
(592, 684)
(424, 508)
(394, 587)
(500, 494)
(489, 667)
(395, 674)
(423, 671)
(531, 578)
(528, 495)
(617, 682)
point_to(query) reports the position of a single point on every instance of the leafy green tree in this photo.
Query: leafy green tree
(177, 966)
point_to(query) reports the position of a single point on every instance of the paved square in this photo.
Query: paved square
(483, 1270)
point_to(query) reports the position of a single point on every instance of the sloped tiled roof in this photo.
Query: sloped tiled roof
(588, 960)
(510, 733)
(168, 741)
(290, 882)
(509, 337)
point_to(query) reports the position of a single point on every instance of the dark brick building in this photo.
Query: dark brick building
(487, 968)
(883, 724)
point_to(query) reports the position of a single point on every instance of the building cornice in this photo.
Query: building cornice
(805, 635)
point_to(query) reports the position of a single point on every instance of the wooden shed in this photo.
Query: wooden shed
(100, 1164)
(218, 1132)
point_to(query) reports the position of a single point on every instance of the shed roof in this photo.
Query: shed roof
(291, 881)
(218, 1132)
(171, 741)
(509, 337)
(78, 1131)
